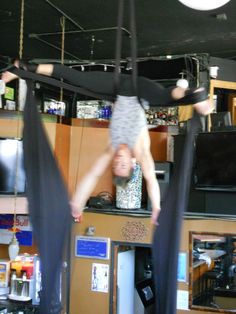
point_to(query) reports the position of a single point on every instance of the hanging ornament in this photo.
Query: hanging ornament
(13, 248)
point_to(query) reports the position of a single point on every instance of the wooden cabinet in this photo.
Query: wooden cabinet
(76, 146)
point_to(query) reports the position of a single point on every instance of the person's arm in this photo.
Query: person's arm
(144, 157)
(153, 189)
(86, 186)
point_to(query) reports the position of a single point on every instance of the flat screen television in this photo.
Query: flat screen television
(215, 161)
(11, 166)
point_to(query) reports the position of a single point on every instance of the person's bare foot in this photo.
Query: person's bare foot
(8, 76)
(204, 107)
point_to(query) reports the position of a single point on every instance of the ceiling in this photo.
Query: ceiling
(164, 27)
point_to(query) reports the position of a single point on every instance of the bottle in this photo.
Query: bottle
(13, 283)
(25, 290)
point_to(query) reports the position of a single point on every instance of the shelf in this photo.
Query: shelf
(13, 115)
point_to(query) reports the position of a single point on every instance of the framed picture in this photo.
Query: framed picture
(182, 267)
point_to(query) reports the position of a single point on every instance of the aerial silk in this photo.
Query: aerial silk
(49, 203)
(166, 239)
(167, 234)
(50, 212)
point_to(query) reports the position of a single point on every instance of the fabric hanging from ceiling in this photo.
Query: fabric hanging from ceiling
(48, 204)
(167, 234)
(50, 212)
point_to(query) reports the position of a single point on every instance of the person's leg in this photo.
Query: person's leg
(45, 69)
(153, 92)
(95, 81)
(156, 95)
(198, 97)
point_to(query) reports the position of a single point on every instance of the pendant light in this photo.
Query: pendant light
(204, 5)
(182, 82)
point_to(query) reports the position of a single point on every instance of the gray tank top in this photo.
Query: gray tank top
(128, 119)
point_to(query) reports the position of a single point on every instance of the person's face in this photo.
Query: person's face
(122, 162)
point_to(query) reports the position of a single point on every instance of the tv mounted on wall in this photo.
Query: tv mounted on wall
(215, 163)
(12, 173)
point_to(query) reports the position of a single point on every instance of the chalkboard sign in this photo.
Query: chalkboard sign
(92, 247)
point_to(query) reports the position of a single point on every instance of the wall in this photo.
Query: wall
(227, 68)
(85, 301)
(87, 143)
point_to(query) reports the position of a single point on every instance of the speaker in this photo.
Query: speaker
(163, 173)
(196, 200)
(220, 203)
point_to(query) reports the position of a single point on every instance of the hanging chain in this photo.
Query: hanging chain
(21, 42)
(62, 21)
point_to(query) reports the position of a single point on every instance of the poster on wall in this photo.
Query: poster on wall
(182, 300)
(23, 229)
(100, 277)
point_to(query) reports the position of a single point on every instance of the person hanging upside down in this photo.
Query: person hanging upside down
(129, 136)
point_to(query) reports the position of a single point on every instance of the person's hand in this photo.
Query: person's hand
(155, 214)
(204, 107)
(76, 212)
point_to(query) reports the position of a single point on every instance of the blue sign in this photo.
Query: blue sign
(91, 247)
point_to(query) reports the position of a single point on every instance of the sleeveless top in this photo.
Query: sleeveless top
(128, 119)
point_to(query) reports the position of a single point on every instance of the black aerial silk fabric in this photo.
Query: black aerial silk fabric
(48, 203)
(167, 234)
(50, 212)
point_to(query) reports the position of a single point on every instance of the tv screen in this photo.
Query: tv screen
(215, 164)
(12, 174)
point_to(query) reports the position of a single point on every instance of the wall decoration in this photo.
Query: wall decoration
(134, 231)
(100, 277)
